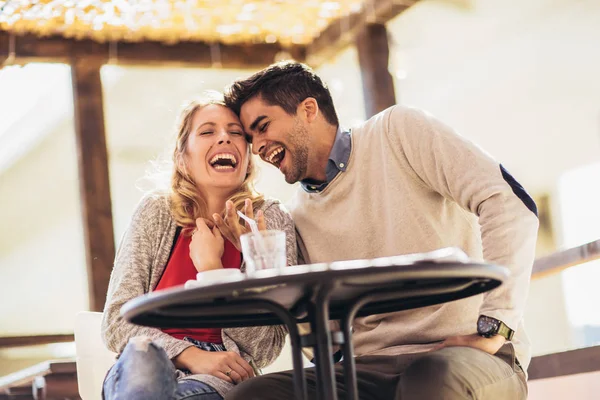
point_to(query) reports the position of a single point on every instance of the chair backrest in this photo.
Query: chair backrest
(93, 358)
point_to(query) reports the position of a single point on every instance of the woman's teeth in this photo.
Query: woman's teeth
(224, 159)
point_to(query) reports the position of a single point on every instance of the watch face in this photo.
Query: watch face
(487, 325)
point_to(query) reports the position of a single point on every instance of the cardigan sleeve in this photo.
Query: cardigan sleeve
(130, 278)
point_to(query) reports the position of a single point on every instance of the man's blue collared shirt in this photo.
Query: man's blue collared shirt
(338, 161)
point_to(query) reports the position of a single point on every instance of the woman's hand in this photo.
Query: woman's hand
(206, 247)
(231, 227)
(226, 365)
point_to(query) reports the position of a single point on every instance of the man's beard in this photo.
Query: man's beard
(298, 140)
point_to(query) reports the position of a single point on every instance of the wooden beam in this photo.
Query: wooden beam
(34, 340)
(342, 32)
(94, 183)
(373, 57)
(557, 262)
(193, 54)
(578, 361)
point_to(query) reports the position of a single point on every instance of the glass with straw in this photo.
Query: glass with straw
(262, 249)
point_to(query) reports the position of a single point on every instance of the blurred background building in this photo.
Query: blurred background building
(521, 79)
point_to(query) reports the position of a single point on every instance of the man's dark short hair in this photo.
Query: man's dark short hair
(285, 84)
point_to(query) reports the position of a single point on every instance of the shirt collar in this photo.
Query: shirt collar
(338, 161)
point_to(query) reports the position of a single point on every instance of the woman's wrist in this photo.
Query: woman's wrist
(207, 265)
(183, 360)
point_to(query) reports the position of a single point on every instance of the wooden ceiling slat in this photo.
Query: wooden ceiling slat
(58, 49)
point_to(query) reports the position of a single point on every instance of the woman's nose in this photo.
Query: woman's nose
(224, 138)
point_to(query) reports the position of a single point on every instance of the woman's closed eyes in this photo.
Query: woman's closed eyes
(209, 132)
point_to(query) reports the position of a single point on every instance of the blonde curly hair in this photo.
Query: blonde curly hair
(186, 202)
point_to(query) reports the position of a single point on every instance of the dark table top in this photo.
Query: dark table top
(408, 281)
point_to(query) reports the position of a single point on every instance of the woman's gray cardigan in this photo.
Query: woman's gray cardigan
(140, 261)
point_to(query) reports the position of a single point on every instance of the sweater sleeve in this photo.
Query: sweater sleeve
(460, 171)
(130, 278)
(264, 343)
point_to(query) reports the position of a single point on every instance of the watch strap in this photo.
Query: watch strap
(505, 331)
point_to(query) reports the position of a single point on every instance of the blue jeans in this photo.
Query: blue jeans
(145, 372)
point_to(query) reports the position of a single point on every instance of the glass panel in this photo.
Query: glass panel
(579, 199)
(42, 261)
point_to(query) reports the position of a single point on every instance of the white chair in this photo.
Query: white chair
(93, 358)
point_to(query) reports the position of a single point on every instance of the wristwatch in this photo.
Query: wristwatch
(488, 327)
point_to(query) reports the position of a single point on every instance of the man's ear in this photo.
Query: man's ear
(309, 109)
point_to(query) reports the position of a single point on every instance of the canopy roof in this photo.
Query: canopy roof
(286, 22)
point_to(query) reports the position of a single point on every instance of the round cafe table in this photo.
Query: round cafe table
(315, 294)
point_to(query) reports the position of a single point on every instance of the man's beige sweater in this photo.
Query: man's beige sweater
(413, 185)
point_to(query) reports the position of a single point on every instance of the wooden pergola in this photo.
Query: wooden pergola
(364, 28)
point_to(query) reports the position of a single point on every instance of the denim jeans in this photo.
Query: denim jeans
(144, 372)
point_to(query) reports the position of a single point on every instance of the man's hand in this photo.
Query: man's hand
(206, 247)
(489, 345)
(226, 365)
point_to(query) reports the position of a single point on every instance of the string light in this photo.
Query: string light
(225, 21)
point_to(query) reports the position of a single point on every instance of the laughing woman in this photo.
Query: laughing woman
(173, 236)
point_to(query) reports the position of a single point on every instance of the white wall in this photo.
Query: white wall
(519, 78)
(42, 263)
